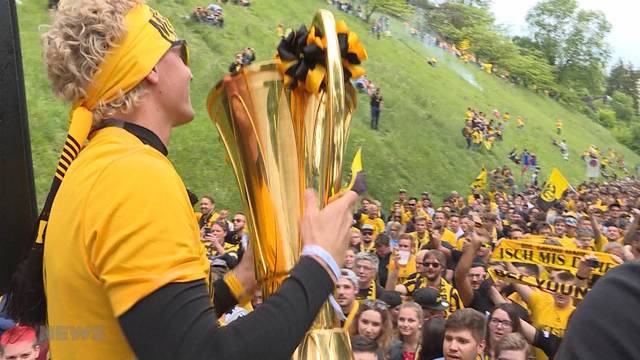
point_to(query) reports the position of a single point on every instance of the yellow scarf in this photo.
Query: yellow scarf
(149, 36)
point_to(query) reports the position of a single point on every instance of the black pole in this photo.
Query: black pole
(18, 209)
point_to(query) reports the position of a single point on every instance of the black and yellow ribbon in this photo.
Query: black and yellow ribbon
(302, 56)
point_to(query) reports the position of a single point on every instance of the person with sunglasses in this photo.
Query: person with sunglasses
(373, 321)
(430, 275)
(122, 250)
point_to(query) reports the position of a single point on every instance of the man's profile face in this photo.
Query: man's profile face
(239, 221)
(345, 292)
(460, 345)
(23, 350)
(206, 205)
(171, 91)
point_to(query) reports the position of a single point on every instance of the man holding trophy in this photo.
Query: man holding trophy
(122, 254)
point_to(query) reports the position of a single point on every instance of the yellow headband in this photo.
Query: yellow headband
(149, 36)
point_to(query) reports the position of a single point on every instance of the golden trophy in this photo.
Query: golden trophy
(285, 125)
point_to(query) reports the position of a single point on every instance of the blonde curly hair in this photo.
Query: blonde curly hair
(76, 44)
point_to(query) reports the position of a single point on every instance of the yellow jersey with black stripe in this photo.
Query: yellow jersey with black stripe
(447, 291)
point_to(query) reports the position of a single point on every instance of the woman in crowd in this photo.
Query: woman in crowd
(373, 321)
(503, 321)
(432, 339)
(409, 333)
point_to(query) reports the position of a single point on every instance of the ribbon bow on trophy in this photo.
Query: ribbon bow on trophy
(285, 125)
(301, 57)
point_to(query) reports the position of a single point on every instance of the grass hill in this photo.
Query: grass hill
(418, 147)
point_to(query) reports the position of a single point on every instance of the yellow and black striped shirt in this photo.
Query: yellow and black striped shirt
(448, 293)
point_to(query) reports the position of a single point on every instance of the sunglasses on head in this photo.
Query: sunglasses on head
(184, 50)
(375, 304)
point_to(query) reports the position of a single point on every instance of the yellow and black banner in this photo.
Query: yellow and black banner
(558, 257)
(546, 285)
(480, 181)
(553, 190)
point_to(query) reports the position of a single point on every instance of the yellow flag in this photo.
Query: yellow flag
(555, 186)
(553, 189)
(481, 180)
(356, 167)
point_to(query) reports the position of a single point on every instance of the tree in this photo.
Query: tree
(398, 8)
(574, 41)
(624, 78)
(453, 20)
(623, 105)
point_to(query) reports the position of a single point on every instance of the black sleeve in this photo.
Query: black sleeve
(178, 321)
(605, 325)
(547, 342)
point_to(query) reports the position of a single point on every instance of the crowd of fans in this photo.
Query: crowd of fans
(211, 14)
(480, 129)
(242, 58)
(415, 284)
(415, 280)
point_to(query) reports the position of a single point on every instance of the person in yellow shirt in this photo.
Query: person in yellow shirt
(558, 126)
(420, 237)
(520, 122)
(372, 217)
(440, 220)
(506, 117)
(403, 262)
(549, 312)
(433, 266)
(122, 251)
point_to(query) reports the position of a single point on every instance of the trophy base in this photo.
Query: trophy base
(324, 344)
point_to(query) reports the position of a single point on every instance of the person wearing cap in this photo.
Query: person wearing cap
(366, 270)
(366, 233)
(346, 291)
(122, 251)
(393, 299)
(431, 302)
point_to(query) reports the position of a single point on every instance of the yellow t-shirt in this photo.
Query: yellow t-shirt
(403, 270)
(450, 237)
(419, 241)
(547, 317)
(120, 228)
(212, 219)
(446, 291)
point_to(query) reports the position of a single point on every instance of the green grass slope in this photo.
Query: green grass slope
(418, 147)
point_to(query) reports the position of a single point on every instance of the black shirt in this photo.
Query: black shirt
(606, 325)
